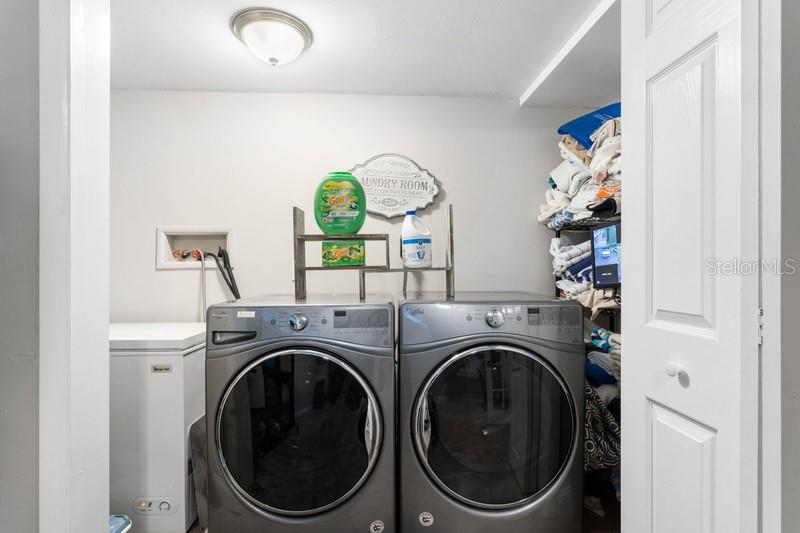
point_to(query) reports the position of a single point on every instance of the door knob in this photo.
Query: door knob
(673, 369)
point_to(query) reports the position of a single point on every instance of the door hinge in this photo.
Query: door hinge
(760, 323)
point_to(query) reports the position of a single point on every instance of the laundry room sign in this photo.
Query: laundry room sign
(395, 184)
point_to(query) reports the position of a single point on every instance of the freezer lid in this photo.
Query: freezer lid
(165, 336)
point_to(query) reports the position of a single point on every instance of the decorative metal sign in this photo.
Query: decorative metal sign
(395, 184)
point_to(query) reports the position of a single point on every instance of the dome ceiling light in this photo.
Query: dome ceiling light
(273, 36)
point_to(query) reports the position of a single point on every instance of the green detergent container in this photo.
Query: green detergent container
(340, 205)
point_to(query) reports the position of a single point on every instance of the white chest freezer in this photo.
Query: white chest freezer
(157, 392)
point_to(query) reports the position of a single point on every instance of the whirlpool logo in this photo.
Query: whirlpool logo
(414, 311)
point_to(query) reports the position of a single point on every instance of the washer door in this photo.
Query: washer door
(298, 432)
(494, 426)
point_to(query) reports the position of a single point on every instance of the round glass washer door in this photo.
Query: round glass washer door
(494, 426)
(298, 432)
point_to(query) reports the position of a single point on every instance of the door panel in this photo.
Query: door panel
(494, 426)
(676, 435)
(690, 370)
(681, 105)
(298, 432)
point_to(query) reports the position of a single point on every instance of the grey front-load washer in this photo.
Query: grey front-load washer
(490, 414)
(300, 410)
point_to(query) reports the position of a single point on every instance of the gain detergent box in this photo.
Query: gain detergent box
(342, 253)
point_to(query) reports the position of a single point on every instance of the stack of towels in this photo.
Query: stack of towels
(588, 180)
(573, 264)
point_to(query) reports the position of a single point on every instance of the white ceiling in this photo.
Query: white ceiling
(411, 47)
(590, 74)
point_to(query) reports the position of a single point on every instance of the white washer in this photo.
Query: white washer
(157, 393)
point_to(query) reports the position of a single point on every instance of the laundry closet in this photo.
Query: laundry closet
(269, 373)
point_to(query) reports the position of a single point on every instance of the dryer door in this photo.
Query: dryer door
(494, 426)
(298, 432)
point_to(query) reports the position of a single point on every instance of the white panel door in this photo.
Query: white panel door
(690, 378)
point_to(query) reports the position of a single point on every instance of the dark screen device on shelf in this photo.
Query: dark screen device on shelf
(606, 263)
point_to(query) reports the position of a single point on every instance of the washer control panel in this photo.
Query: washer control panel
(366, 324)
(424, 322)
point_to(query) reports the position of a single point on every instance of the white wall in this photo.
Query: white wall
(19, 186)
(243, 160)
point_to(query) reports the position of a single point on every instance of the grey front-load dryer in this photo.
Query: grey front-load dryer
(300, 411)
(490, 414)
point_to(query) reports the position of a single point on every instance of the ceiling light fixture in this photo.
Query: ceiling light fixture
(273, 36)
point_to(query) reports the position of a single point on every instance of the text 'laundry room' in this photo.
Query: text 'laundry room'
(358, 266)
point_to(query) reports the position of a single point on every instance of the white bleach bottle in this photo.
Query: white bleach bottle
(416, 242)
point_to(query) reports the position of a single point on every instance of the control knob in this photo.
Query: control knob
(298, 321)
(495, 318)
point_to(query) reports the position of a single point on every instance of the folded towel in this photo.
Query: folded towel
(564, 253)
(555, 246)
(560, 265)
(603, 333)
(560, 219)
(577, 183)
(574, 272)
(610, 129)
(573, 288)
(585, 274)
(555, 202)
(586, 195)
(582, 128)
(602, 344)
(596, 375)
(563, 174)
(572, 151)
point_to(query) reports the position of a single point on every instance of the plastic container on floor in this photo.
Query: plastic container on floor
(119, 524)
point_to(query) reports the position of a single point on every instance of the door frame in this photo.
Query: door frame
(74, 153)
(73, 367)
(771, 198)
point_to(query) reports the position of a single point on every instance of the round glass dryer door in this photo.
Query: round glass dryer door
(494, 426)
(298, 432)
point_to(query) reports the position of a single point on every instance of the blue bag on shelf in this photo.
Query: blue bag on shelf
(581, 128)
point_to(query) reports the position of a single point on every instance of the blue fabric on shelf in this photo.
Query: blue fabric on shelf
(602, 360)
(602, 344)
(581, 128)
(575, 270)
(560, 219)
(596, 375)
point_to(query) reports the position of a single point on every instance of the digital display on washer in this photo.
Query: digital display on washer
(533, 316)
(360, 318)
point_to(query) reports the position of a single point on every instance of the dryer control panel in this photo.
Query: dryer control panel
(367, 325)
(425, 322)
